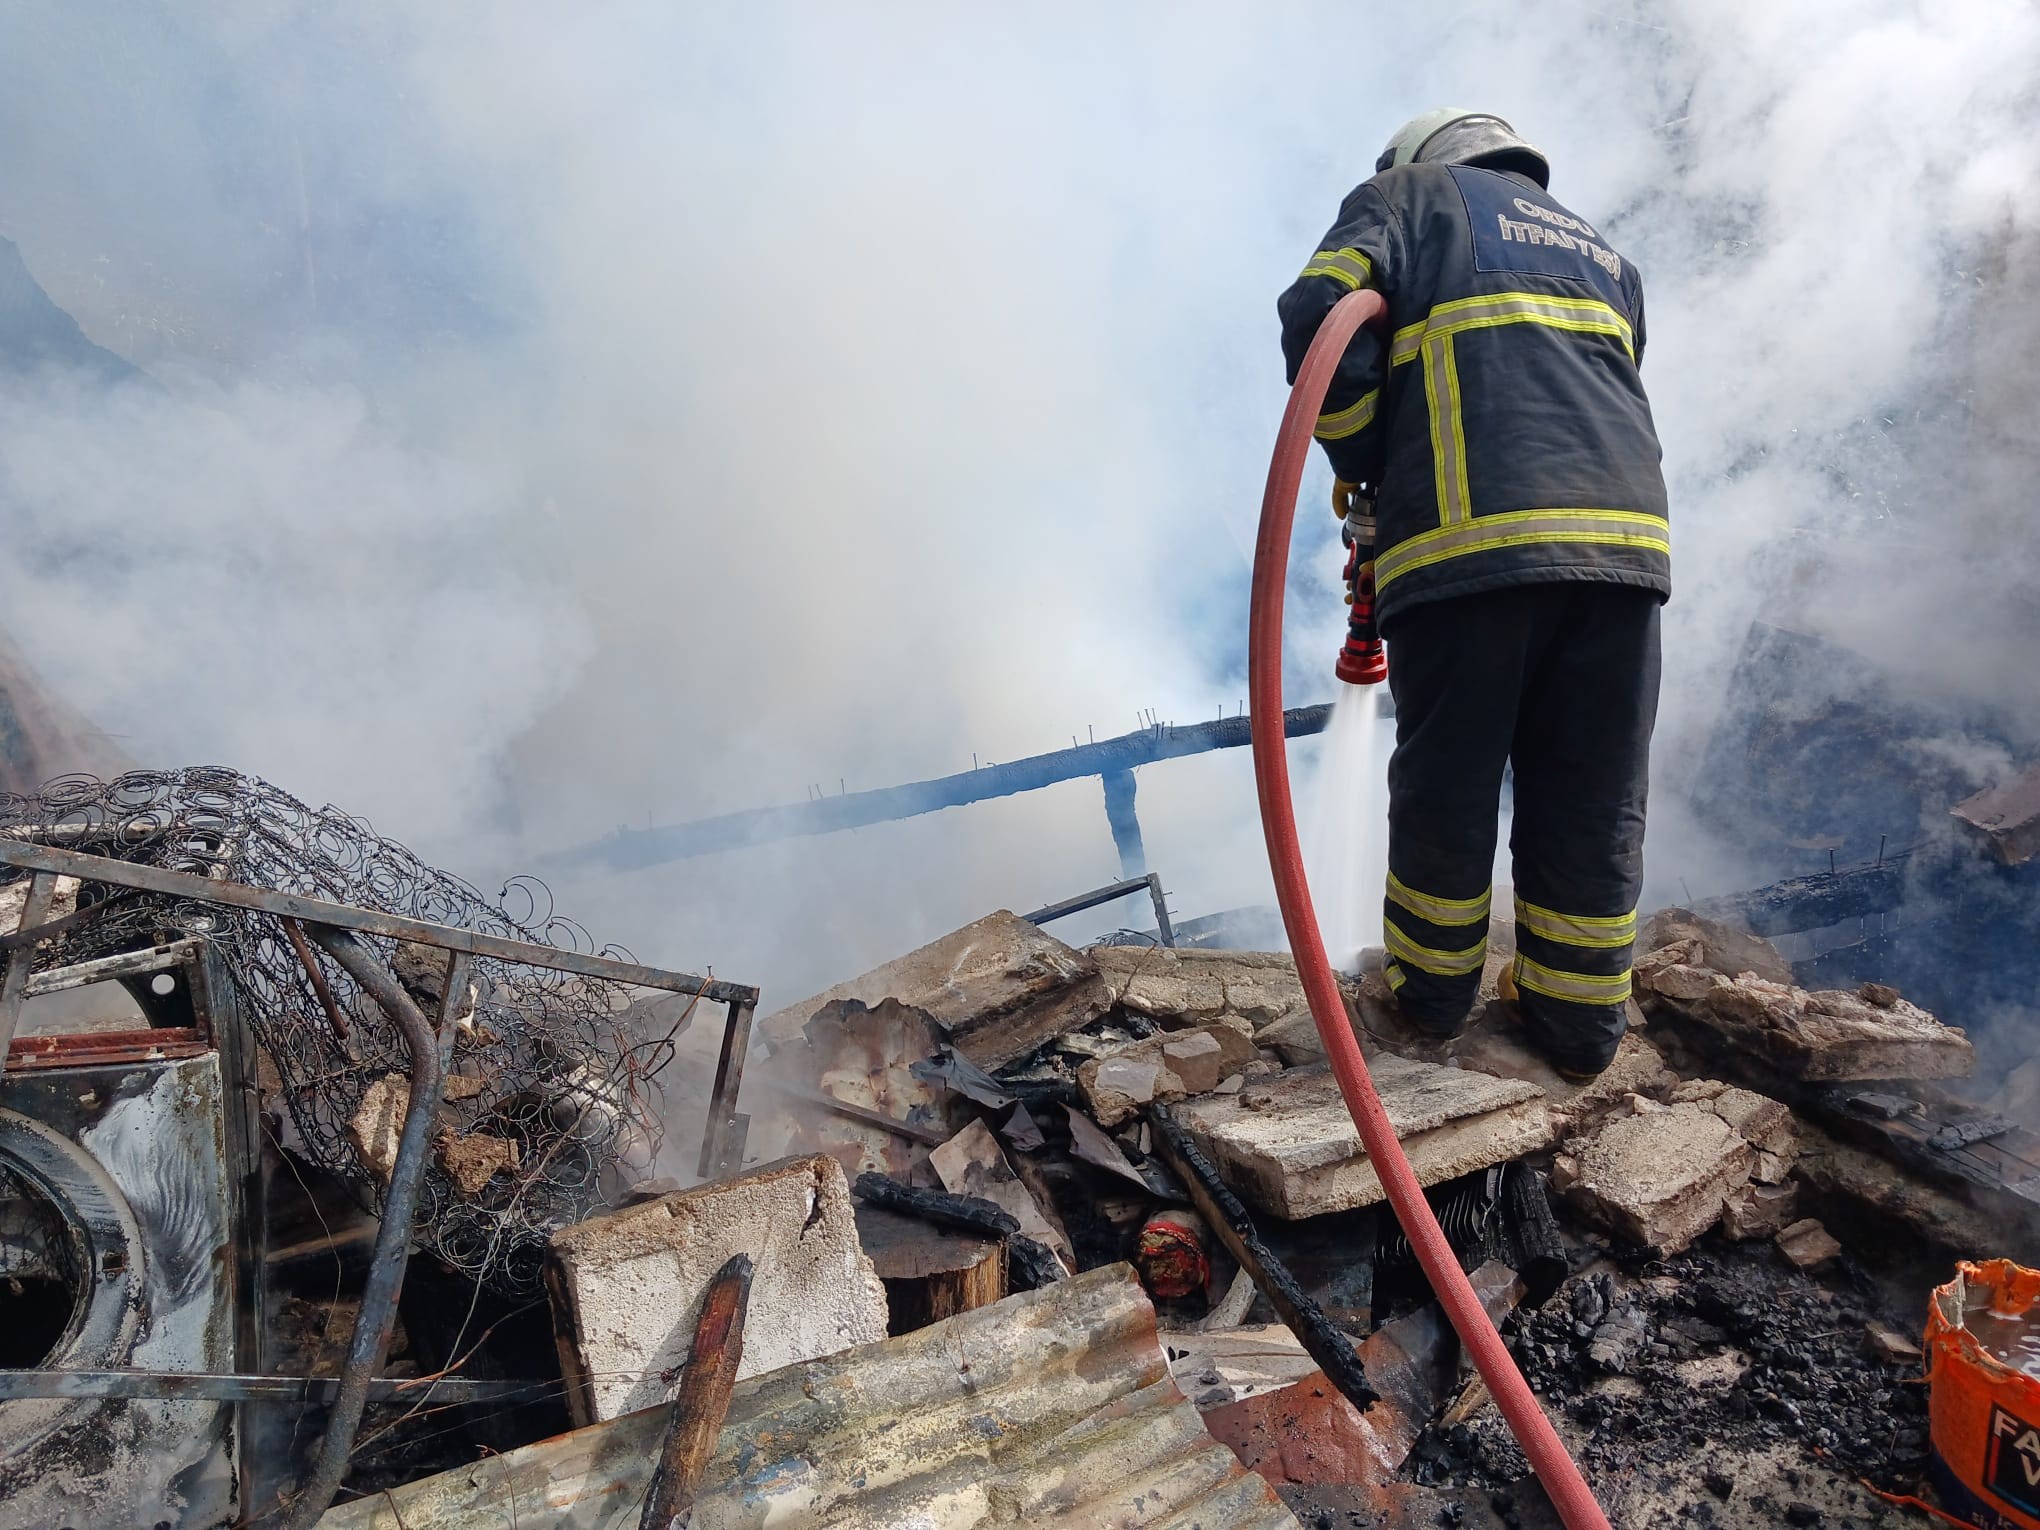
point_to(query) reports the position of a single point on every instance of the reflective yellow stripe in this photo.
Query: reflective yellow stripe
(1347, 265)
(1602, 934)
(1461, 504)
(1351, 420)
(1578, 987)
(1394, 974)
(1447, 470)
(1522, 528)
(1424, 959)
(1583, 315)
(1445, 911)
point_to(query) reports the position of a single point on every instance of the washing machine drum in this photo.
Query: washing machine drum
(69, 1285)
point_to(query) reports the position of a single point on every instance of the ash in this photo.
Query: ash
(1725, 1370)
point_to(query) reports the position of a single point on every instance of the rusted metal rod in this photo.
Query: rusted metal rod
(267, 900)
(702, 1400)
(370, 1342)
(294, 932)
(35, 909)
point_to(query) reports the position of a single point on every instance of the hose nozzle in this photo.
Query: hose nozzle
(1362, 660)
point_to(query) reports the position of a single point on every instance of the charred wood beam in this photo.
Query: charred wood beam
(1228, 1218)
(1813, 902)
(1033, 1264)
(702, 1400)
(629, 849)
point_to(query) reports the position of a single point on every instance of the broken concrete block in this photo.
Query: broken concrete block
(1832, 1036)
(1247, 990)
(377, 1125)
(865, 1056)
(1759, 1211)
(1119, 1085)
(473, 1160)
(999, 988)
(1197, 1060)
(1288, 1144)
(2006, 818)
(1807, 1244)
(1889, 1346)
(626, 1286)
(1658, 1181)
(1764, 1123)
(972, 1163)
(1667, 975)
(1711, 944)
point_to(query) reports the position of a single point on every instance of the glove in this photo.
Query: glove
(1348, 497)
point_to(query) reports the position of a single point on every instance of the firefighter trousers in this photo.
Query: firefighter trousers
(1559, 683)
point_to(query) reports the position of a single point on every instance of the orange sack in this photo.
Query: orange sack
(1983, 1408)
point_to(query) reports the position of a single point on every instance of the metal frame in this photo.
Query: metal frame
(334, 927)
(1152, 882)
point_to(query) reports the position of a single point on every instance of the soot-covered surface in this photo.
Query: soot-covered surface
(1722, 1388)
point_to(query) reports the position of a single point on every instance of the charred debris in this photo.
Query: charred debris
(333, 1191)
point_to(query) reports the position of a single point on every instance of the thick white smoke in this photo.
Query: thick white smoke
(580, 418)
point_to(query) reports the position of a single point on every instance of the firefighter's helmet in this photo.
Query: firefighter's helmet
(1452, 136)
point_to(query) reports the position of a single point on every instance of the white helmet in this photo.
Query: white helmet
(1452, 136)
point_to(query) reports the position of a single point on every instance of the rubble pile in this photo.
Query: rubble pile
(1023, 1231)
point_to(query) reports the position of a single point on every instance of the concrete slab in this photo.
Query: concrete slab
(1499, 1050)
(626, 1286)
(1288, 1145)
(1248, 990)
(1832, 1036)
(998, 987)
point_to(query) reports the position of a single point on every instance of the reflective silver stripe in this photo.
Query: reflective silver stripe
(1424, 959)
(1446, 911)
(1576, 987)
(1522, 528)
(1347, 265)
(1592, 931)
(1351, 420)
(1394, 974)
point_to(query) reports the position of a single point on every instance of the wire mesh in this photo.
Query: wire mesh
(552, 1103)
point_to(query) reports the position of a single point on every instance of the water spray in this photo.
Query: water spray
(1562, 1481)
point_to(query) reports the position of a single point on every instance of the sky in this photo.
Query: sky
(573, 418)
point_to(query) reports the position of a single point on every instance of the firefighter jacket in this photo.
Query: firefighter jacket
(1498, 416)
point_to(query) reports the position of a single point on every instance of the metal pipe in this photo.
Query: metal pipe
(207, 1386)
(722, 1144)
(341, 916)
(1151, 883)
(370, 1342)
(295, 933)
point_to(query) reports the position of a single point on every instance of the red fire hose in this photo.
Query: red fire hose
(1555, 1469)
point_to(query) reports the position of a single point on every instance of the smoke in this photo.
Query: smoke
(572, 420)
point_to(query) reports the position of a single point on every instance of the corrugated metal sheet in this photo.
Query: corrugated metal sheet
(1051, 1408)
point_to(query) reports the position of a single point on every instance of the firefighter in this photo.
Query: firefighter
(1497, 432)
